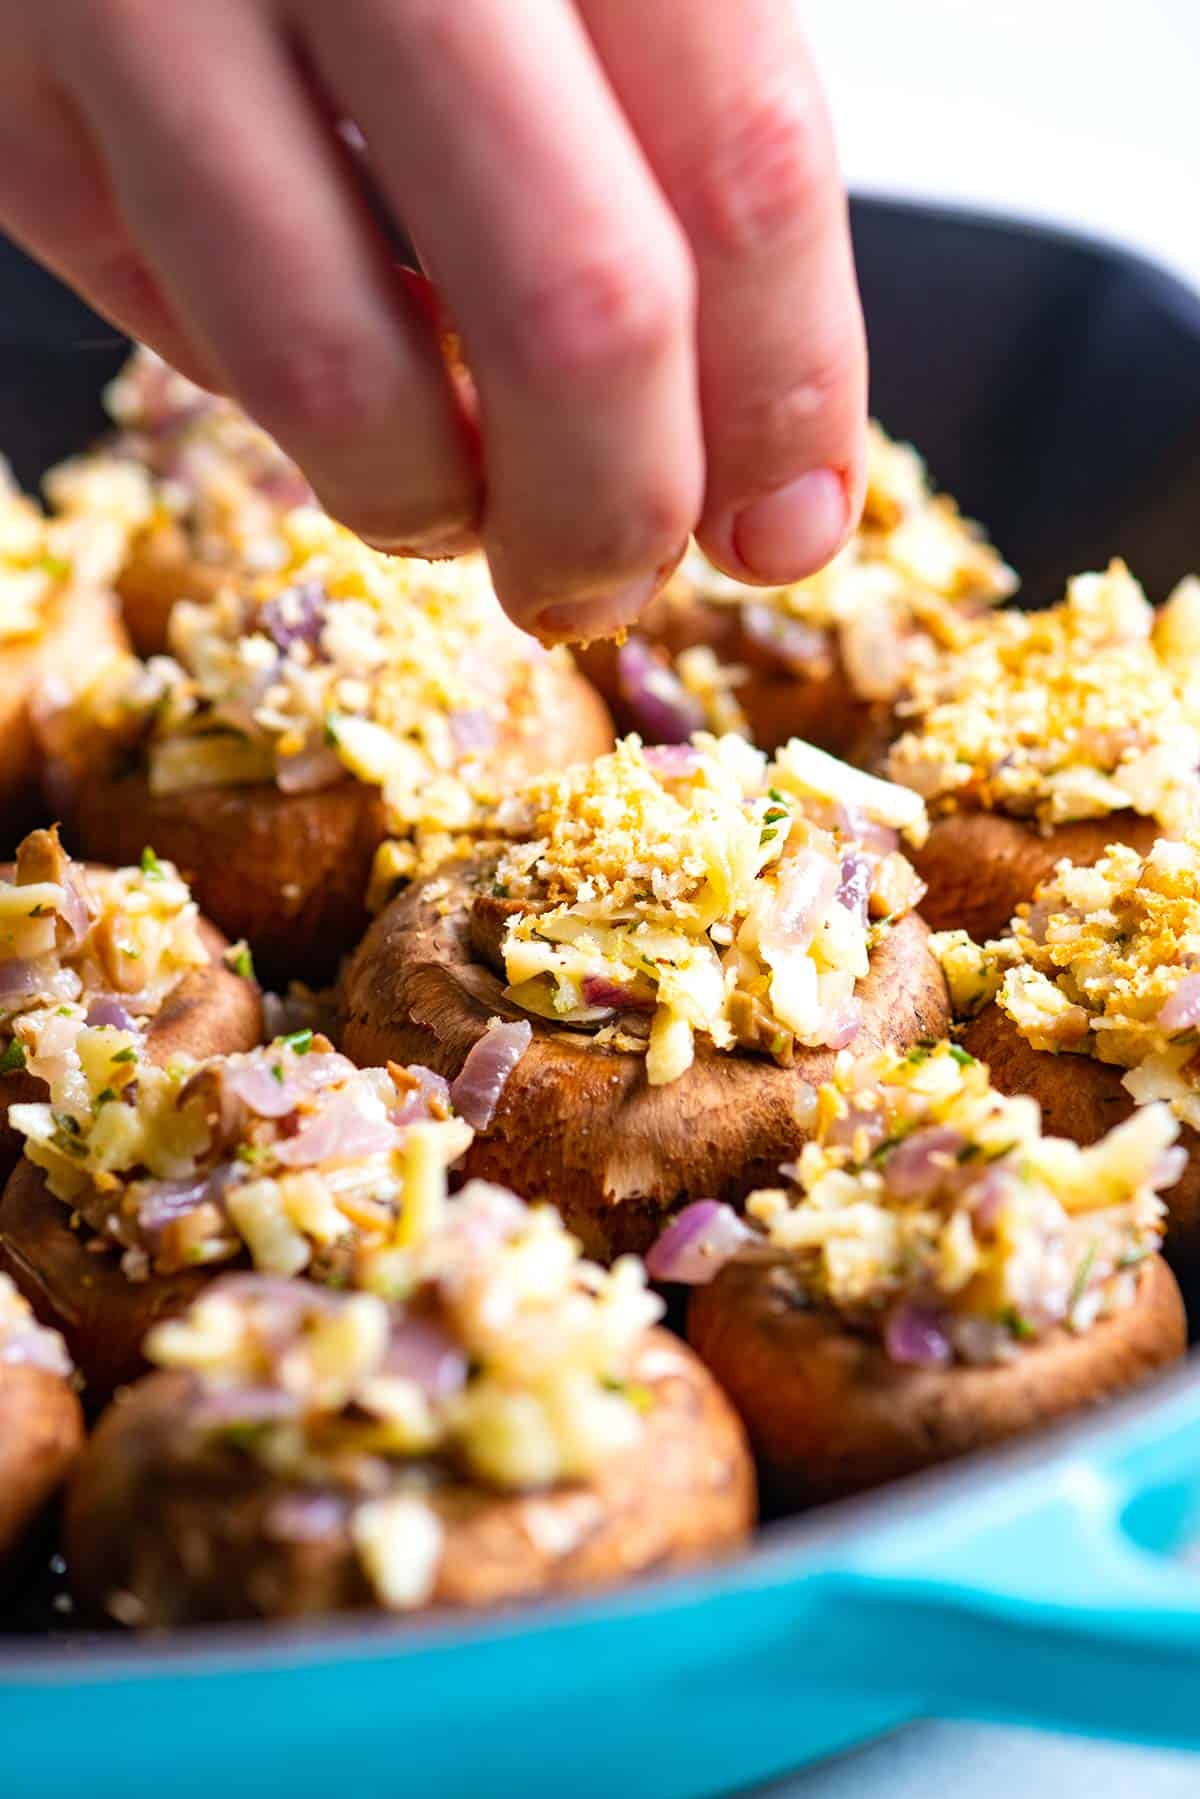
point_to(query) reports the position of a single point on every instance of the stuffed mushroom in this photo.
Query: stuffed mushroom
(824, 659)
(197, 489)
(935, 1276)
(1051, 734)
(514, 1427)
(637, 981)
(41, 1424)
(336, 724)
(1097, 1004)
(57, 614)
(126, 947)
(140, 1183)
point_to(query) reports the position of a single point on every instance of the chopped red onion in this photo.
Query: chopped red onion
(305, 1516)
(161, 1203)
(75, 911)
(339, 1132)
(295, 616)
(477, 1088)
(672, 761)
(32, 1346)
(424, 1352)
(254, 1084)
(854, 886)
(662, 708)
(314, 768)
(802, 649)
(597, 990)
(19, 978)
(472, 730)
(1180, 1011)
(418, 1102)
(916, 1336)
(697, 1243)
(988, 1196)
(220, 1408)
(804, 892)
(920, 1164)
(107, 1012)
(859, 1120)
(844, 1026)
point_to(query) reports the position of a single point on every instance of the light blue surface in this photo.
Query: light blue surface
(1044, 1588)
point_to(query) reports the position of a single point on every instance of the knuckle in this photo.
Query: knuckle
(646, 529)
(777, 425)
(602, 316)
(313, 385)
(762, 170)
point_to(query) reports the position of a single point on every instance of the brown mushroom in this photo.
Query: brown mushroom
(1083, 1098)
(41, 1433)
(577, 1122)
(158, 1536)
(979, 866)
(829, 1414)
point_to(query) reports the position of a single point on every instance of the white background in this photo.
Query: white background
(1086, 113)
(1082, 111)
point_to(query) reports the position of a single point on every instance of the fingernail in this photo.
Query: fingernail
(601, 616)
(794, 531)
(434, 549)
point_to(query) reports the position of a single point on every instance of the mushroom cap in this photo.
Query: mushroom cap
(193, 1542)
(828, 1413)
(1084, 1098)
(577, 1123)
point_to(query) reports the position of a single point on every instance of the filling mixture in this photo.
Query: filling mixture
(507, 1365)
(930, 1212)
(288, 1154)
(187, 465)
(23, 1340)
(1106, 962)
(340, 663)
(1087, 708)
(912, 577)
(41, 558)
(99, 947)
(661, 893)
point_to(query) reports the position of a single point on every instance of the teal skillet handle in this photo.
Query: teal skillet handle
(1065, 1594)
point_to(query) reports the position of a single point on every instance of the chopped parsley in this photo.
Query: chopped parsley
(1082, 1274)
(125, 1055)
(14, 1057)
(1017, 1323)
(299, 1042)
(239, 960)
(962, 1056)
(499, 890)
(152, 868)
(106, 1096)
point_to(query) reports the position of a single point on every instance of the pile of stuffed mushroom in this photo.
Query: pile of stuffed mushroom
(387, 1044)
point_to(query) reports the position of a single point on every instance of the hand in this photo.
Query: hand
(630, 209)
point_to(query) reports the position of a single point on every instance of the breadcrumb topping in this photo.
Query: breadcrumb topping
(912, 577)
(1105, 961)
(340, 663)
(706, 890)
(41, 558)
(70, 938)
(1085, 709)
(288, 1154)
(929, 1207)
(185, 471)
